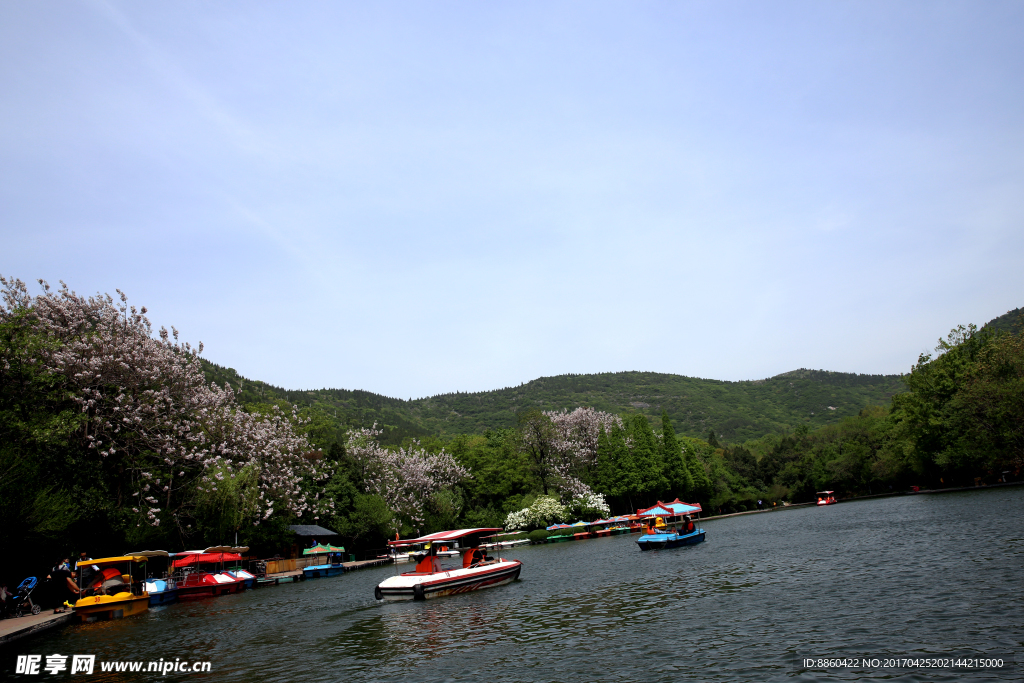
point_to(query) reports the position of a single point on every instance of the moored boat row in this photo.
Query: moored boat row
(116, 587)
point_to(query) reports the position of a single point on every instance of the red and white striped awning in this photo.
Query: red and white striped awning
(442, 536)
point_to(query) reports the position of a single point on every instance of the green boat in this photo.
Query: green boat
(558, 538)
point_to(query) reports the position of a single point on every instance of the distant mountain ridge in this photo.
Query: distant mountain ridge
(737, 411)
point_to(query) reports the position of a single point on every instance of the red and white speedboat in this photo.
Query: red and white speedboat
(431, 580)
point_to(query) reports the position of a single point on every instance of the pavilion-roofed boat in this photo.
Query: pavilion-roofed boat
(112, 588)
(617, 525)
(584, 530)
(431, 580)
(332, 567)
(559, 538)
(660, 535)
(662, 540)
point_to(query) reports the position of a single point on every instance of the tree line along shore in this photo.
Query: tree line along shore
(116, 437)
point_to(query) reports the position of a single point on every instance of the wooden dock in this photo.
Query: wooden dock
(282, 577)
(297, 575)
(363, 564)
(14, 628)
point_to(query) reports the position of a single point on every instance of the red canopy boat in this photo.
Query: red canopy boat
(826, 498)
(431, 580)
(199, 583)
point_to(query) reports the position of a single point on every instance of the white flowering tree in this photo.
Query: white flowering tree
(544, 511)
(144, 409)
(406, 478)
(588, 506)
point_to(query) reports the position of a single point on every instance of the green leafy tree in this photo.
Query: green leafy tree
(537, 438)
(963, 414)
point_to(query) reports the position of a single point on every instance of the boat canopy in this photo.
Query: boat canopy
(321, 548)
(827, 493)
(443, 536)
(150, 553)
(673, 509)
(227, 549)
(659, 510)
(190, 558)
(117, 560)
(621, 518)
(557, 526)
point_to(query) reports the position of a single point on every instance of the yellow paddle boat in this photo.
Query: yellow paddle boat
(112, 588)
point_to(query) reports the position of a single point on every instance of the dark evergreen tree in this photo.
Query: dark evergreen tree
(680, 481)
(650, 468)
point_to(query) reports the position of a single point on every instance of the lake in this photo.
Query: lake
(921, 576)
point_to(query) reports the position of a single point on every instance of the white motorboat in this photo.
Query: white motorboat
(431, 580)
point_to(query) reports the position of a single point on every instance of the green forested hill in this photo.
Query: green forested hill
(735, 410)
(1007, 322)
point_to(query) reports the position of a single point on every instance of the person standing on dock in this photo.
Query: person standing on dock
(5, 600)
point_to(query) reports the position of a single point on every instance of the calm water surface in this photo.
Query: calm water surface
(928, 575)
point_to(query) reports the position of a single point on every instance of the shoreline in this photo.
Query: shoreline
(890, 494)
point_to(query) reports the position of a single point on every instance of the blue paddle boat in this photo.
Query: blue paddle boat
(332, 567)
(659, 537)
(162, 590)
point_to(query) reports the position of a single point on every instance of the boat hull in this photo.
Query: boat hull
(163, 597)
(666, 541)
(104, 607)
(206, 586)
(561, 538)
(416, 586)
(162, 591)
(323, 570)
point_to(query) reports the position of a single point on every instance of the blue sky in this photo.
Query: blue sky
(415, 198)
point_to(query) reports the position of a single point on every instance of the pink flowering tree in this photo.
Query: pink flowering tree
(574, 444)
(406, 478)
(146, 413)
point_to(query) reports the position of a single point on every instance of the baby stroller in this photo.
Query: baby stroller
(21, 602)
